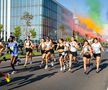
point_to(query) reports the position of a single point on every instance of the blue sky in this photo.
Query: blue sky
(80, 7)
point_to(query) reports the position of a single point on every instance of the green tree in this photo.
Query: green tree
(27, 17)
(68, 38)
(1, 27)
(17, 31)
(33, 33)
(80, 39)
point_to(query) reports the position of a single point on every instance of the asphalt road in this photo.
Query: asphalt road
(35, 78)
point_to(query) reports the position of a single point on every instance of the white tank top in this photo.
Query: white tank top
(72, 47)
(86, 49)
(48, 45)
(66, 47)
(96, 48)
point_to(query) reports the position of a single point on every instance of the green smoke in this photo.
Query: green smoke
(95, 11)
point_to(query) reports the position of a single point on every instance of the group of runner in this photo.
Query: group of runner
(68, 52)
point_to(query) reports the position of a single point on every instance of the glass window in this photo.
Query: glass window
(35, 2)
(23, 3)
(36, 20)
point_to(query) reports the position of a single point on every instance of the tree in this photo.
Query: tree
(80, 39)
(27, 17)
(62, 28)
(17, 31)
(1, 27)
(68, 38)
(33, 33)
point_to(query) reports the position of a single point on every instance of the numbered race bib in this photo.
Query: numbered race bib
(12, 48)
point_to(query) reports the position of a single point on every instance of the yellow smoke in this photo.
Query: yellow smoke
(90, 24)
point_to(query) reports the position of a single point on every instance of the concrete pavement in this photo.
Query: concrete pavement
(35, 78)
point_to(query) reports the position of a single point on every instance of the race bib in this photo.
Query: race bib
(12, 48)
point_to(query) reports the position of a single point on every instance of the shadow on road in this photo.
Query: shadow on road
(77, 66)
(104, 60)
(18, 79)
(103, 65)
(27, 81)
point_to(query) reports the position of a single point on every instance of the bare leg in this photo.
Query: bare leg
(47, 58)
(27, 57)
(84, 64)
(61, 63)
(97, 63)
(70, 61)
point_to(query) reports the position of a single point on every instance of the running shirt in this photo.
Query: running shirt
(90, 41)
(72, 47)
(62, 47)
(66, 46)
(86, 49)
(14, 48)
(28, 43)
(96, 48)
(48, 45)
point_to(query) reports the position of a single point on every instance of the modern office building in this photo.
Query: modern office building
(48, 16)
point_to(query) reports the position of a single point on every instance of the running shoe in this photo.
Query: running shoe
(64, 68)
(31, 62)
(69, 69)
(7, 78)
(85, 72)
(17, 63)
(25, 65)
(46, 67)
(52, 63)
(61, 69)
(13, 72)
(54, 60)
(97, 71)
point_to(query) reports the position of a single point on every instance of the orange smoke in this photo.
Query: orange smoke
(90, 24)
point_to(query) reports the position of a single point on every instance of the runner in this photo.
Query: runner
(73, 52)
(60, 49)
(90, 40)
(29, 50)
(5, 75)
(97, 48)
(66, 50)
(42, 47)
(48, 47)
(14, 53)
(87, 53)
(52, 53)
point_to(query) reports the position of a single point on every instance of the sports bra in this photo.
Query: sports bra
(61, 47)
(28, 43)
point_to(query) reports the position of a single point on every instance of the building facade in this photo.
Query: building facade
(48, 16)
(5, 11)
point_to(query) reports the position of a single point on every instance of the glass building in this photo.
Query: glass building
(48, 15)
